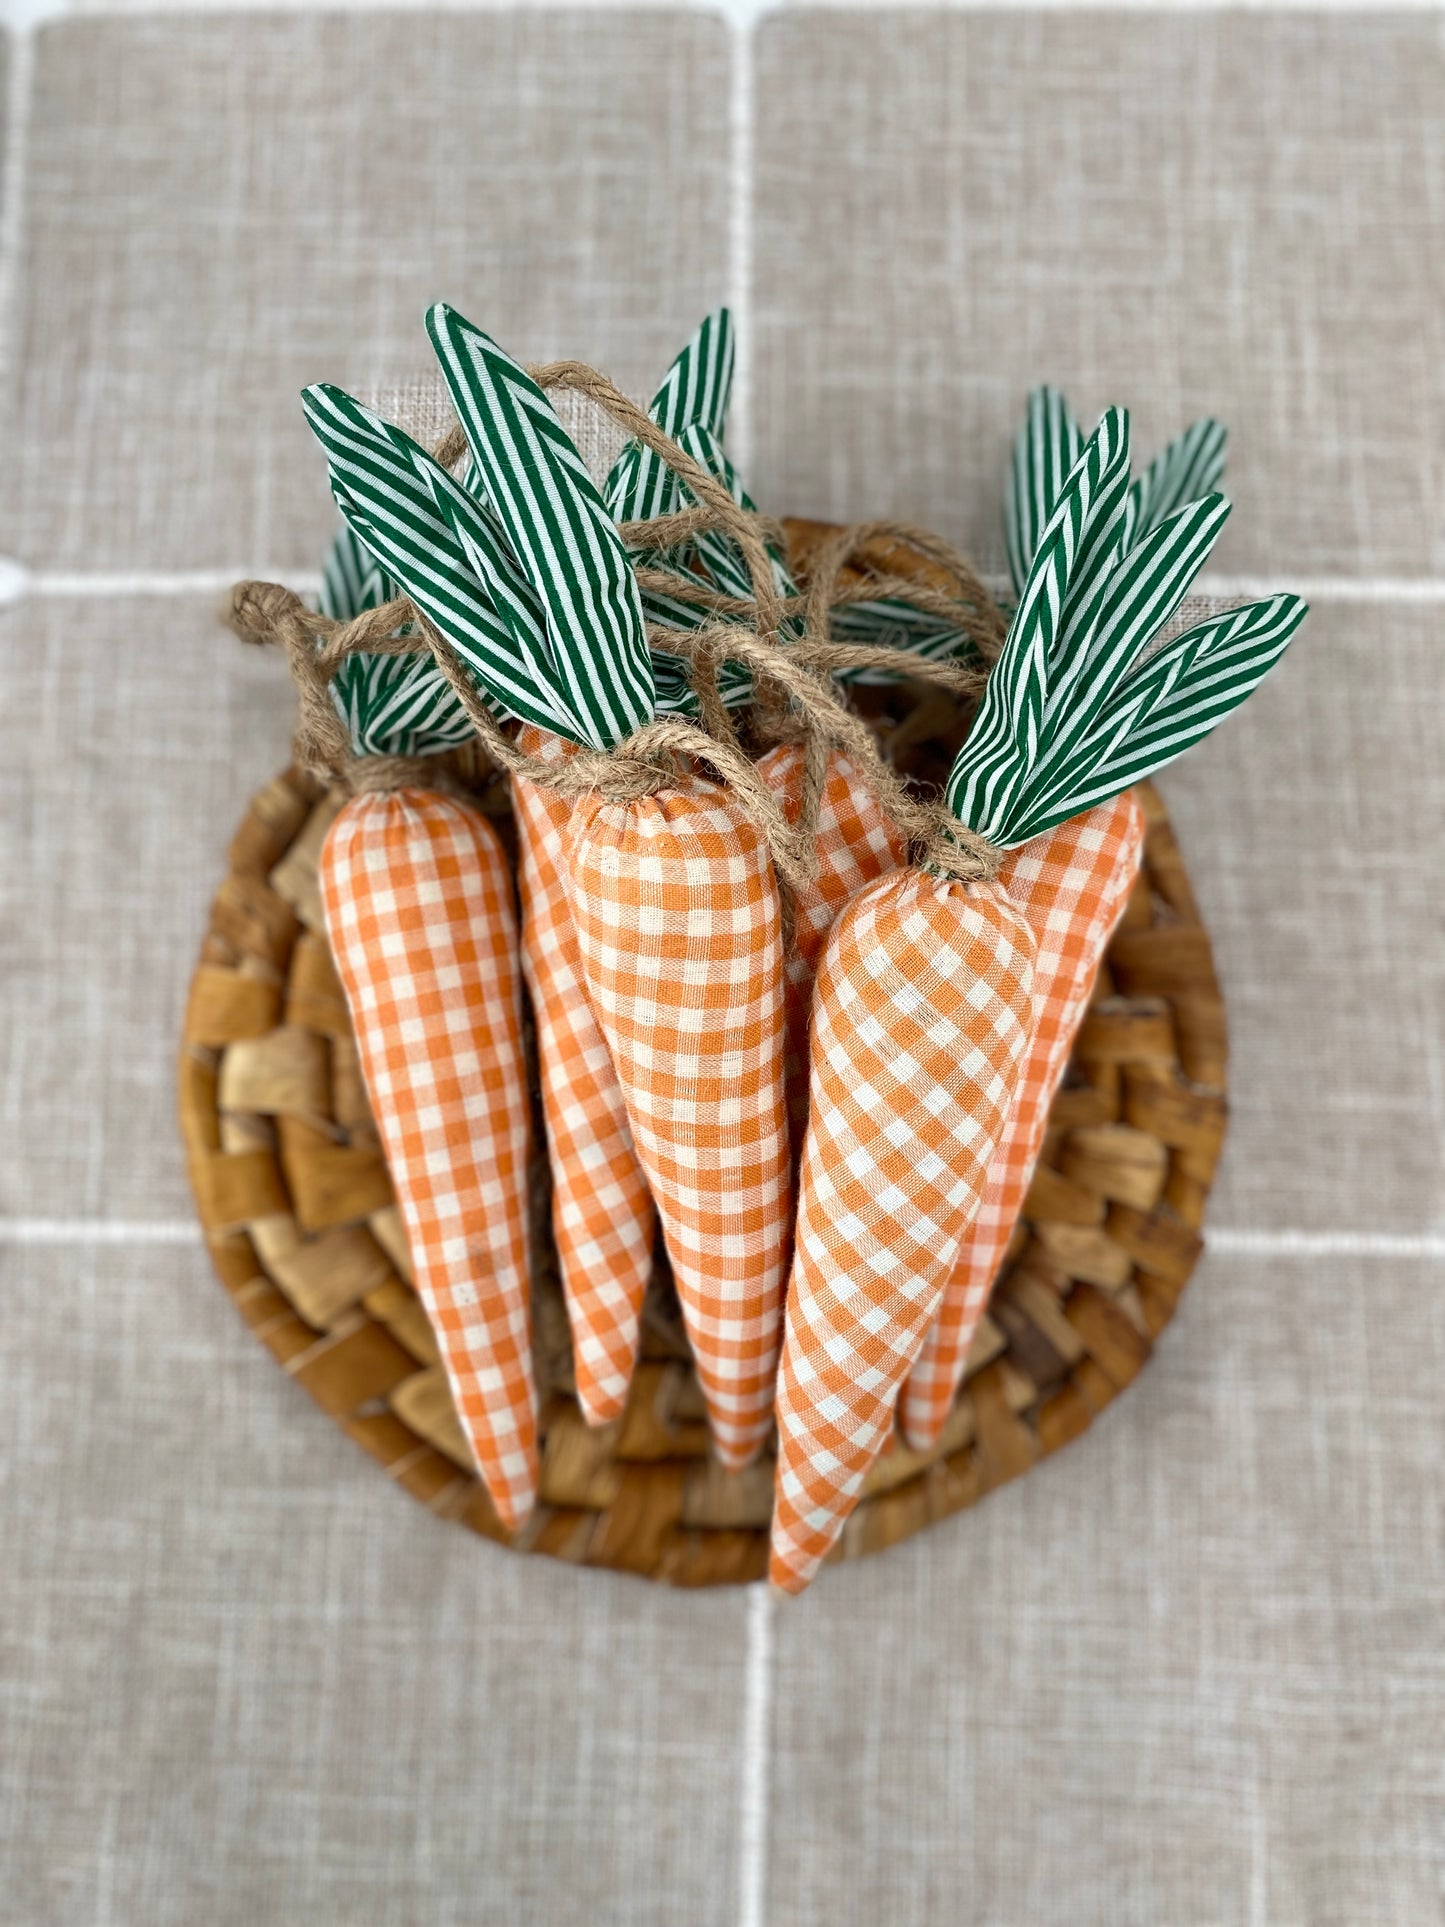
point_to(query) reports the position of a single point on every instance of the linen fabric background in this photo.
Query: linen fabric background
(1190, 1671)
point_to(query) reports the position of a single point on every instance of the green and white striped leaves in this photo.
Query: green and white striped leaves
(353, 581)
(398, 706)
(1188, 468)
(391, 705)
(1170, 701)
(991, 768)
(697, 389)
(1044, 456)
(557, 526)
(1075, 710)
(1046, 450)
(388, 490)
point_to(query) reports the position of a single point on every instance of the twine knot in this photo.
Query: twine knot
(954, 850)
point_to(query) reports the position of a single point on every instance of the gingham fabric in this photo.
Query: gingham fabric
(418, 903)
(602, 1212)
(1072, 885)
(679, 928)
(920, 1021)
(856, 844)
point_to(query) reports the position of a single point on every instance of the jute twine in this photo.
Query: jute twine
(785, 642)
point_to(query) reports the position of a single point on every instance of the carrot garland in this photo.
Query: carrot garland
(923, 1008)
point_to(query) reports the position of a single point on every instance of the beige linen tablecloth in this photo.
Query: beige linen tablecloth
(1189, 1672)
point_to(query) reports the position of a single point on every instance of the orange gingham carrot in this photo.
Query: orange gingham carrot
(856, 843)
(1072, 885)
(679, 930)
(920, 1020)
(418, 902)
(603, 1219)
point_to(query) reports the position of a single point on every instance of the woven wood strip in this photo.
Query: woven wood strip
(293, 1193)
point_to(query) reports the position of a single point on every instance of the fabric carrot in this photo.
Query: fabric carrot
(418, 903)
(603, 1218)
(923, 1008)
(676, 910)
(418, 900)
(1072, 885)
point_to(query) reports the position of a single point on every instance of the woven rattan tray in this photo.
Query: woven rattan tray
(298, 1213)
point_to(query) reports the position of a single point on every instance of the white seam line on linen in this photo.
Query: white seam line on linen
(740, 237)
(20, 15)
(1230, 1243)
(757, 1755)
(100, 1231)
(12, 202)
(86, 583)
(1224, 1241)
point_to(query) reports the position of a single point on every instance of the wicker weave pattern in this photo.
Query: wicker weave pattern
(293, 1193)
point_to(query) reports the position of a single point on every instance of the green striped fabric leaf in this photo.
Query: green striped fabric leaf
(492, 564)
(697, 389)
(1100, 546)
(1190, 467)
(1142, 595)
(398, 706)
(352, 581)
(1044, 456)
(391, 705)
(1077, 708)
(558, 527)
(1187, 469)
(1180, 695)
(377, 476)
(719, 556)
(894, 625)
(989, 773)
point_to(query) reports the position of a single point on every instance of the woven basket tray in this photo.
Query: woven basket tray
(298, 1212)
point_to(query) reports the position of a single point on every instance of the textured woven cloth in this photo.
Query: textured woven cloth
(1187, 1672)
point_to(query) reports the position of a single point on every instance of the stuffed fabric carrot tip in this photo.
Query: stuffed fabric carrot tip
(923, 1011)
